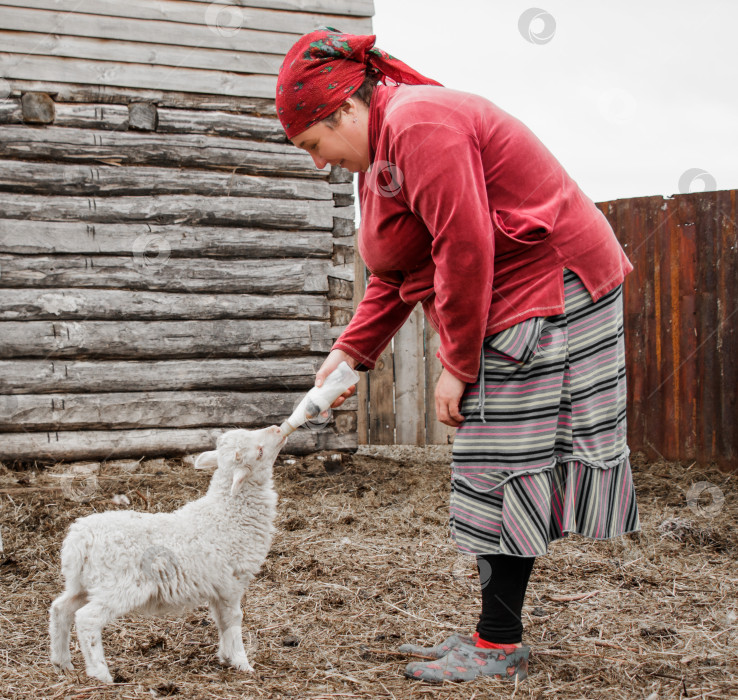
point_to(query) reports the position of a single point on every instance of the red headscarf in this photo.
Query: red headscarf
(324, 68)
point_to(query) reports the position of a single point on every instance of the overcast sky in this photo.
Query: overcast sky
(628, 95)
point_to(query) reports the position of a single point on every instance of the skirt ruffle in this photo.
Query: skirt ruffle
(520, 514)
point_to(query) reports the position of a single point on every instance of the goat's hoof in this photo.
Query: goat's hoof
(242, 665)
(102, 675)
(63, 665)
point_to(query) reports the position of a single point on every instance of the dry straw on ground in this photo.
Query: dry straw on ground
(362, 564)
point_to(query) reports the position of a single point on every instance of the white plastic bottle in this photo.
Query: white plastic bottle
(320, 398)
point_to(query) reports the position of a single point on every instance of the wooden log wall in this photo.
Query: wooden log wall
(170, 266)
(681, 324)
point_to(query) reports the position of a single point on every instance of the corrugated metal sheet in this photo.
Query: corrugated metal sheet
(681, 320)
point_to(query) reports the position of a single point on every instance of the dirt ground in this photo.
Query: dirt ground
(362, 564)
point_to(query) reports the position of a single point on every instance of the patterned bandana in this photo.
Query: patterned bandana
(324, 68)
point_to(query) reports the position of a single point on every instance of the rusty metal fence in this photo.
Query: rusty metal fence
(681, 321)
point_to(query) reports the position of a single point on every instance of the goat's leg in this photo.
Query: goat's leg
(61, 617)
(228, 616)
(90, 620)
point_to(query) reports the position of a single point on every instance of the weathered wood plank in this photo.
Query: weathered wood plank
(96, 179)
(410, 381)
(80, 376)
(169, 209)
(48, 237)
(140, 340)
(360, 8)
(116, 29)
(149, 409)
(362, 390)
(111, 117)
(107, 94)
(219, 123)
(151, 442)
(180, 57)
(436, 432)
(381, 400)
(115, 305)
(225, 21)
(159, 272)
(10, 111)
(171, 150)
(138, 75)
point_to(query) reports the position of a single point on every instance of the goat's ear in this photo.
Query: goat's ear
(207, 460)
(239, 476)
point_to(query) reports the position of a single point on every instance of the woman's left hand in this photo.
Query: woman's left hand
(449, 391)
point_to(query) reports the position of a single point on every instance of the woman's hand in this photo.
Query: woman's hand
(449, 391)
(335, 358)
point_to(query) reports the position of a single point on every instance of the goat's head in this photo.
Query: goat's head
(244, 454)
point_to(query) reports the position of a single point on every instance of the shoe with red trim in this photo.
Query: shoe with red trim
(440, 649)
(465, 662)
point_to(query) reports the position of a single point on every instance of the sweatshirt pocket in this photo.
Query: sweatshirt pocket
(516, 232)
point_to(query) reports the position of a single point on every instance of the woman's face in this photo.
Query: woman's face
(345, 143)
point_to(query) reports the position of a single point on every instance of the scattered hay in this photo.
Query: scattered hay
(362, 564)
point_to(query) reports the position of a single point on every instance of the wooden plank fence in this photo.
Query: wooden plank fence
(396, 404)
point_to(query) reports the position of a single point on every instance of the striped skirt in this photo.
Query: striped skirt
(542, 451)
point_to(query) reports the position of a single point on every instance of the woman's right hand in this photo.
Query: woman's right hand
(335, 358)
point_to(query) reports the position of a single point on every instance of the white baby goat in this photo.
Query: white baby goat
(119, 562)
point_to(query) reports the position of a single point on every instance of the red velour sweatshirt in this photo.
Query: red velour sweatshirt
(465, 211)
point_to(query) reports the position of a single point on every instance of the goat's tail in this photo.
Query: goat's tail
(74, 553)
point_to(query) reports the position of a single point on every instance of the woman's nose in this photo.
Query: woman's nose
(320, 163)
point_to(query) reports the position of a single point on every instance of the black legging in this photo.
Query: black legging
(504, 580)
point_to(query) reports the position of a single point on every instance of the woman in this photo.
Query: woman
(465, 211)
